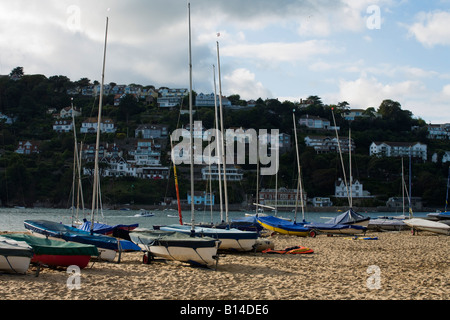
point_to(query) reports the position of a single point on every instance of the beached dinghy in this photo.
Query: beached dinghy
(55, 253)
(177, 246)
(427, 225)
(231, 239)
(15, 256)
(107, 246)
(283, 226)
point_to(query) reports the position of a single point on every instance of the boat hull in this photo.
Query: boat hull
(231, 239)
(178, 246)
(427, 225)
(15, 256)
(14, 264)
(284, 227)
(61, 260)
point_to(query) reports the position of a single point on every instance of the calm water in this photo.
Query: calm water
(11, 219)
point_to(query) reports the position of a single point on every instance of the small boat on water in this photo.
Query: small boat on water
(107, 246)
(418, 224)
(144, 213)
(199, 251)
(56, 253)
(15, 256)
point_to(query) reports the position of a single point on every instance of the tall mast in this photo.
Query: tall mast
(299, 184)
(224, 164)
(191, 128)
(219, 145)
(97, 146)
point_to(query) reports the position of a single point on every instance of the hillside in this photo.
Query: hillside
(45, 178)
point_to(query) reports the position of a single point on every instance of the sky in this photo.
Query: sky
(358, 51)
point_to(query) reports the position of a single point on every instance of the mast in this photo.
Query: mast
(224, 164)
(191, 128)
(299, 184)
(97, 146)
(448, 186)
(176, 186)
(219, 145)
(350, 166)
(342, 161)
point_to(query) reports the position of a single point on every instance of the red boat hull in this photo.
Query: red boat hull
(61, 260)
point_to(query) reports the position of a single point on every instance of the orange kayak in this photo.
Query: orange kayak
(291, 250)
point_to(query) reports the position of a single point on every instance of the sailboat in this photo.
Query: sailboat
(444, 215)
(107, 246)
(190, 247)
(284, 226)
(230, 239)
(419, 224)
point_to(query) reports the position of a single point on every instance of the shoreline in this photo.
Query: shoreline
(408, 268)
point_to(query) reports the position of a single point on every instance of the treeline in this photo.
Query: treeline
(46, 178)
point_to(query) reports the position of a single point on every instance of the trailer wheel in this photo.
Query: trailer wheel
(313, 233)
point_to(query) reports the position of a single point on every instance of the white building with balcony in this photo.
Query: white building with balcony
(399, 149)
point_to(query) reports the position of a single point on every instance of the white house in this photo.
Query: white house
(90, 126)
(27, 147)
(324, 144)
(356, 190)
(399, 149)
(63, 126)
(146, 153)
(67, 113)
(233, 173)
(439, 131)
(207, 100)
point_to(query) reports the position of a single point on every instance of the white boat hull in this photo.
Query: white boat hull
(12, 264)
(199, 256)
(427, 225)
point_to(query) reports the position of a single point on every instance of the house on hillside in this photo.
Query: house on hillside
(90, 126)
(399, 149)
(63, 126)
(28, 147)
(325, 144)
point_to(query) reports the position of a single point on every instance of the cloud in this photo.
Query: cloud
(367, 92)
(433, 28)
(243, 82)
(281, 51)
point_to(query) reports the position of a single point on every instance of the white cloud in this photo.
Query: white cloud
(281, 51)
(243, 82)
(432, 29)
(369, 92)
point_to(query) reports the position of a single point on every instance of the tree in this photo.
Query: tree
(16, 73)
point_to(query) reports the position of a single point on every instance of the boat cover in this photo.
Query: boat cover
(10, 247)
(59, 230)
(102, 228)
(283, 224)
(330, 226)
(348, 217)
(171, 239)
(55, 247)
(215, 233)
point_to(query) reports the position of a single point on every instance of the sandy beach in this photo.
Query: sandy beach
(397, 266)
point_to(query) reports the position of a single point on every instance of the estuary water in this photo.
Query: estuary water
(11, 219)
